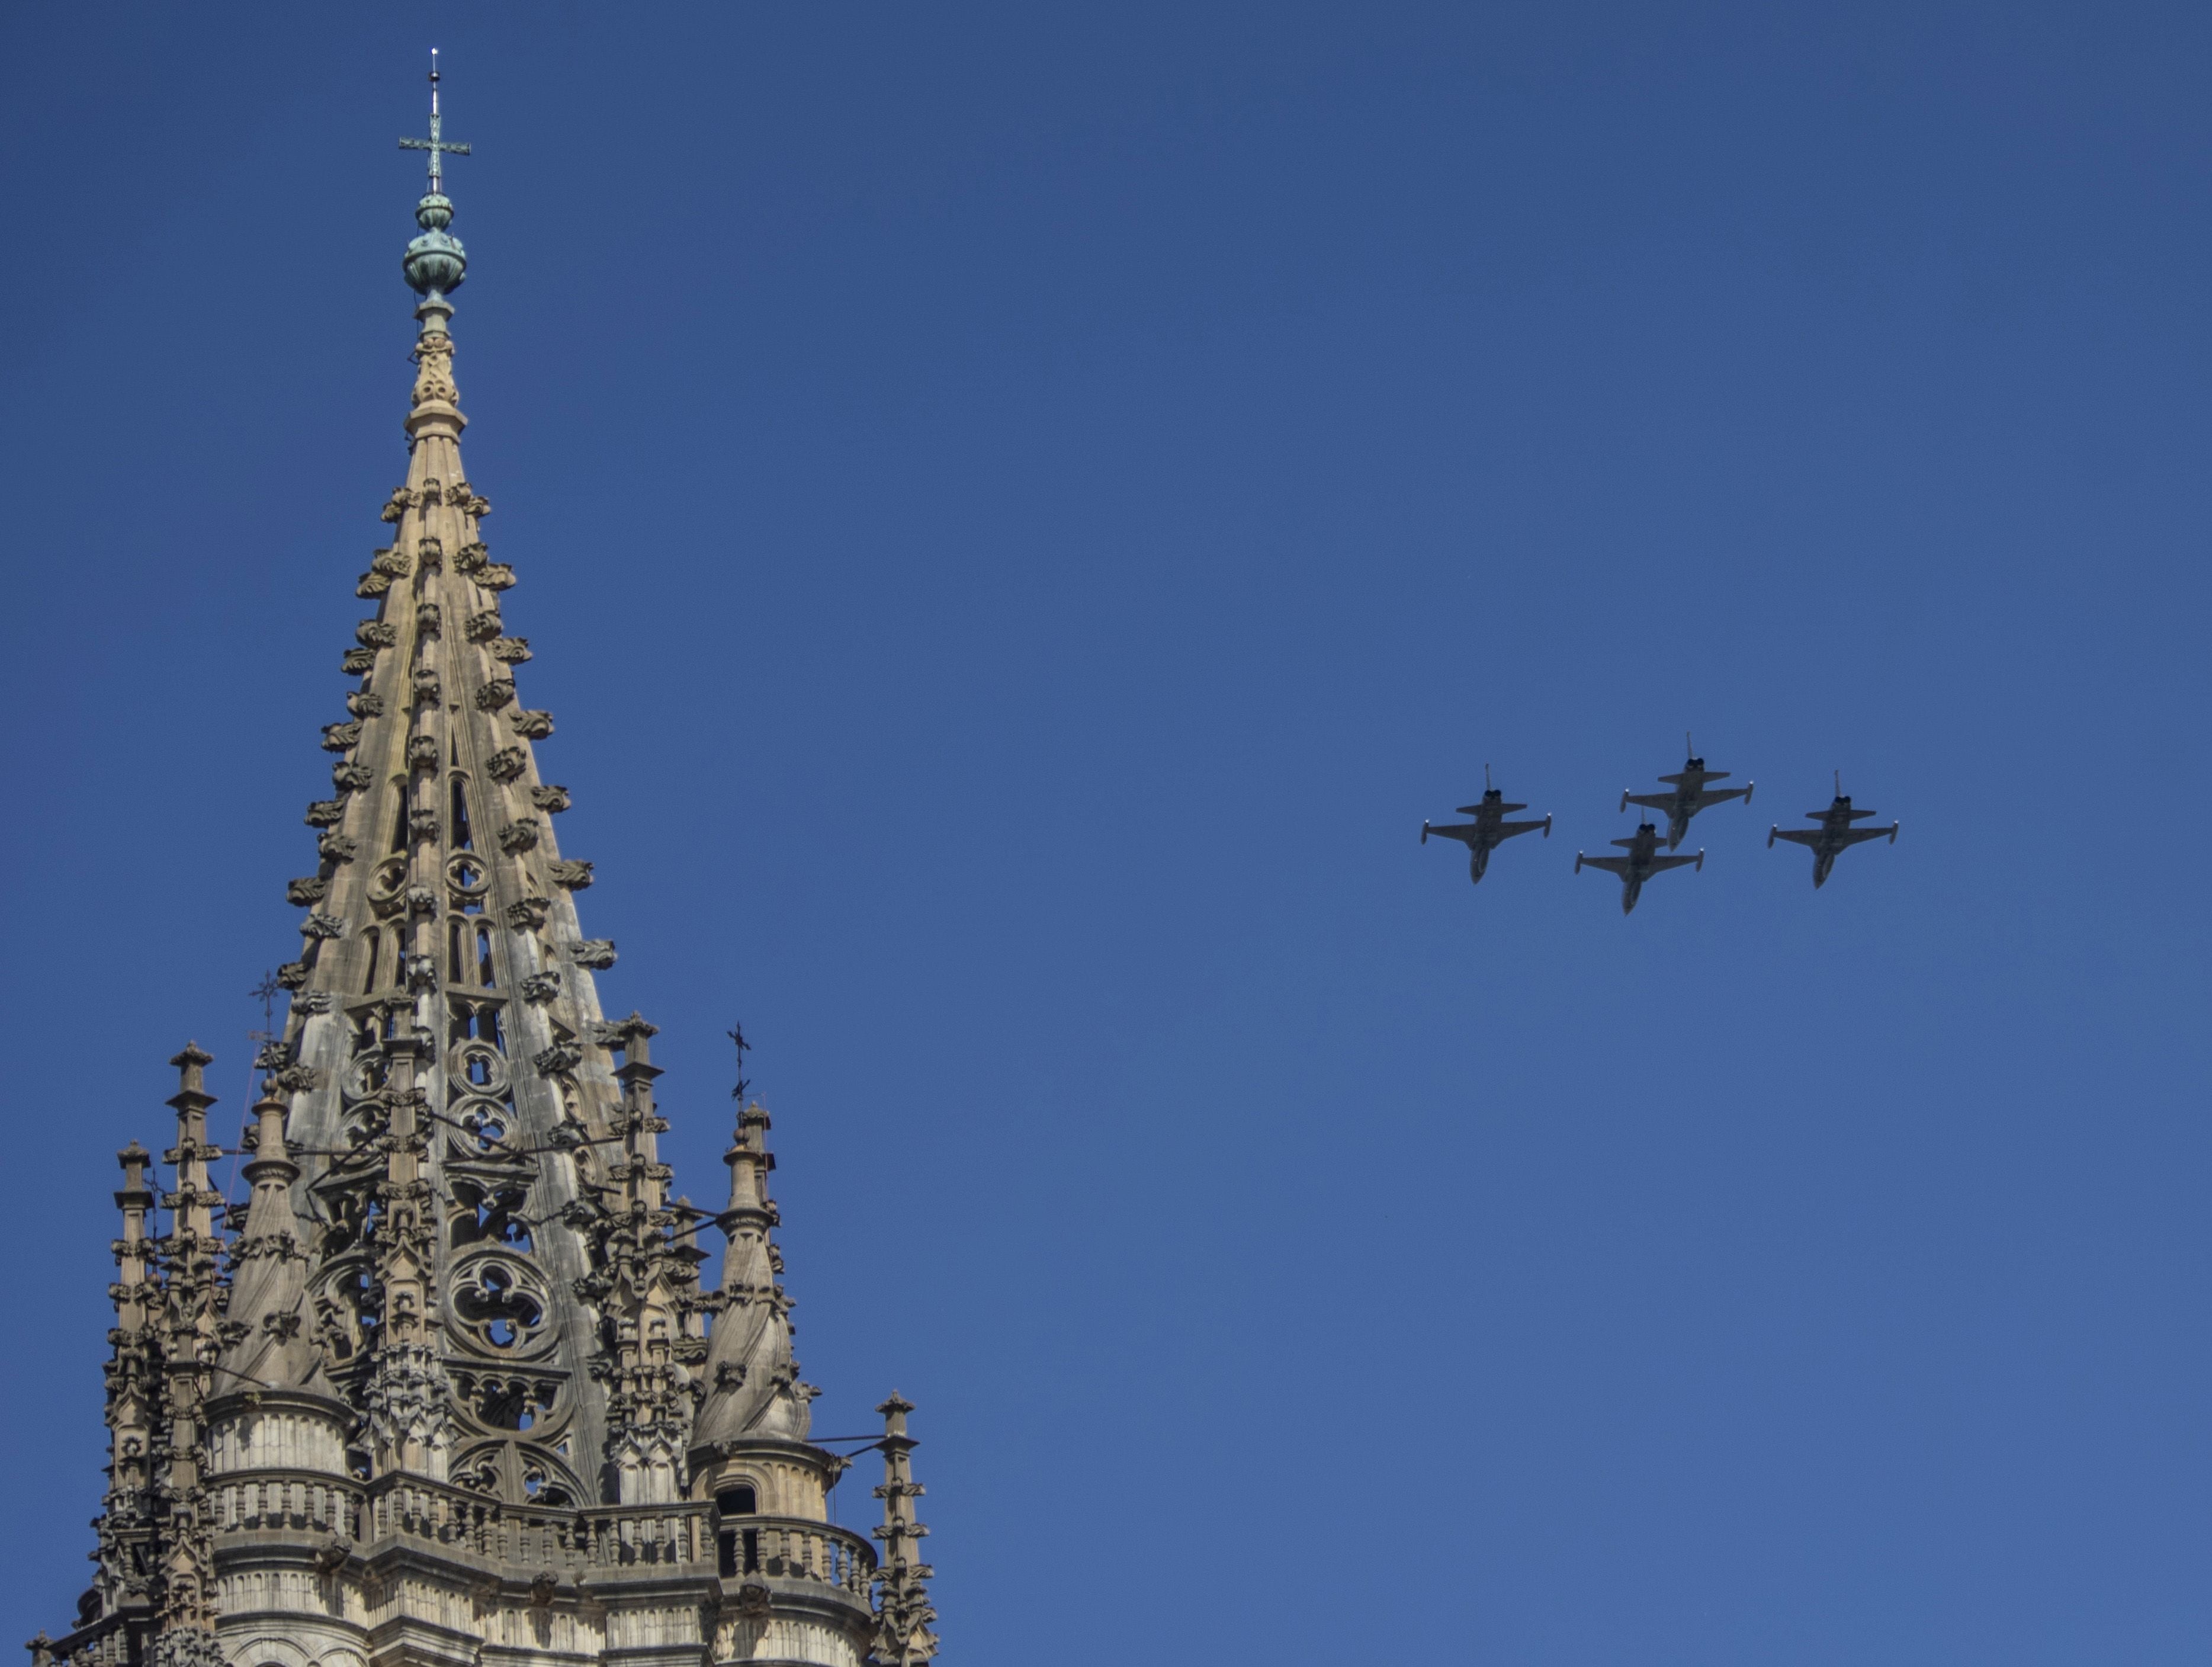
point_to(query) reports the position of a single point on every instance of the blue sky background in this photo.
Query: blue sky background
(1022, 511)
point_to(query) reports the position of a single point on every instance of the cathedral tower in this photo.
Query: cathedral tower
(449, 1389)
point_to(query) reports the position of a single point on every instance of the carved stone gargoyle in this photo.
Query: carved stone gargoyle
(532, 726)
(596, 953)
(571, 876)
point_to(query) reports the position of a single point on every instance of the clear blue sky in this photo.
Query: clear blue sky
(1021, 511)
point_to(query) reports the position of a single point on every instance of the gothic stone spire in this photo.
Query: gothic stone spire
(459, 1388)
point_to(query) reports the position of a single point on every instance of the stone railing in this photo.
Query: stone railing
(792, 1549)
(300, 1501)
(679, 1538)
(609, 1537)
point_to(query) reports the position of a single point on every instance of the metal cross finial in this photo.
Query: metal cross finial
(435, 144)
(737, 1034)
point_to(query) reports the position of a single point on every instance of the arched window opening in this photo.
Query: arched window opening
(483, 958)
(399, 816)
(462, 842)
(737, 1550)
(374, 941)
(456, 955)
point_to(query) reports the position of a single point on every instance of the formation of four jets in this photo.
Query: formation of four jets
(1688, 794)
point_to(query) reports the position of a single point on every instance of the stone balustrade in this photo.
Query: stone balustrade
(791, 1548)
(679, 1538)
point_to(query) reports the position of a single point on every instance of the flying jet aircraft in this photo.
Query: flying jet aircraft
(1691, 795)
(1488, 830)
(1834, 836)
(1642, 862)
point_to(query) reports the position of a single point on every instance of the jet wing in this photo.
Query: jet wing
(1661, 864)
(1801, 835)
(1611, 865)
(1476, 810)
(1507, 830)
(1466, 832)
(1653, 802)
(1720, 795)
(1858, 836)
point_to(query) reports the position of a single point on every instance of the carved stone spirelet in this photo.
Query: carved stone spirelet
(541, 987)
(340, 737)
(512, 650)
(336, 848)
(376, 634)
(529, 725)
(549, 797)
(357, 662)
(305, 892)
(506, 763)
(528, 914)
(362, 703)
(596, 953)
(499, 692)
(571, 876)
(326, 812)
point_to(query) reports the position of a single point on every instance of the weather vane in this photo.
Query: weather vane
(435, 144)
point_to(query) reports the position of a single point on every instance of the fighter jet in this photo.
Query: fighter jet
(1834, 836)
(1488, 830)
(1642, 862)
(1690, 795)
